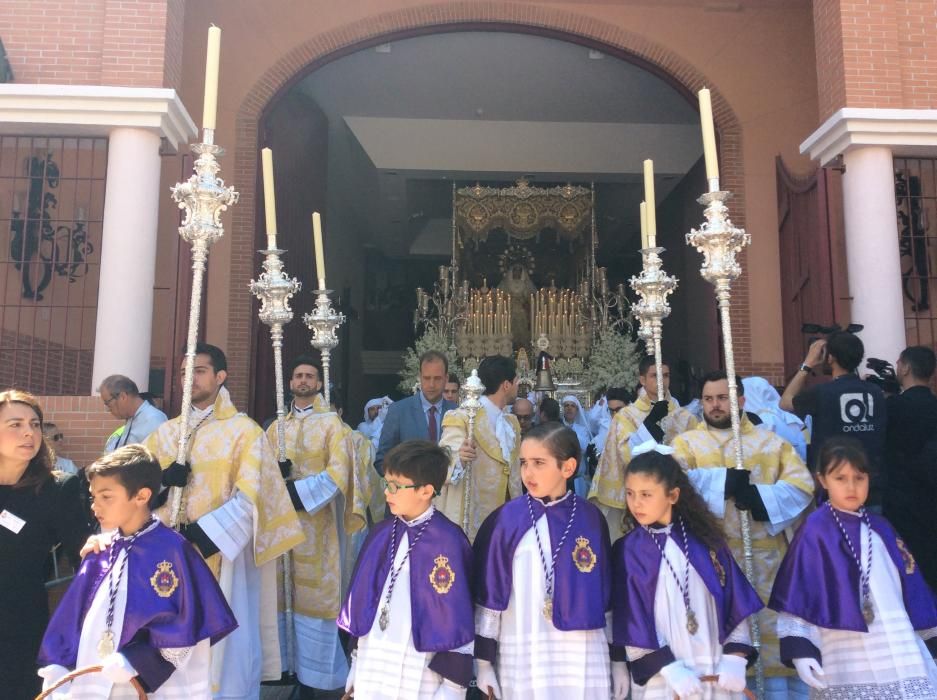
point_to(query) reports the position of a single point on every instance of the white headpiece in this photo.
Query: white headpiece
(372, 404)
(651, 446)
(581, 418)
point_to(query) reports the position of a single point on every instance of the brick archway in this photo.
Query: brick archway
(440, 17)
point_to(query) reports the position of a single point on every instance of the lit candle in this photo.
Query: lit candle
(317, 240)
(651, 206)
(709, 139)
(270, 202)
(210, 105)
(643, 225)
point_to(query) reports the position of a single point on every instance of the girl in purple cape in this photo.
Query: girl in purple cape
(856, 618)
(680, 602)
(542, 583)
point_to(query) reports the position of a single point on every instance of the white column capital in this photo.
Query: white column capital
(905, 131)
(94, 110)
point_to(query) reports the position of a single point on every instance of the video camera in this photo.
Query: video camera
(884, 377)
(819, 332)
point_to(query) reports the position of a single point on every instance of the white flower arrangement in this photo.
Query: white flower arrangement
(431, 340)
(613, 361)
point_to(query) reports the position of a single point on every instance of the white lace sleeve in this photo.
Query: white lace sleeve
(635, 653)
(177, 656)
(465, 649)
(487, 622)
(928, 633)
(793, 626)
(741, 634)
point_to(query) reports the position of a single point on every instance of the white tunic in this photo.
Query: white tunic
(701, 651)
(190, 681)
(536, 661)
(389, 667)
(891, 660)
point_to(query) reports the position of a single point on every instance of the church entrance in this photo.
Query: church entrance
(491, 181)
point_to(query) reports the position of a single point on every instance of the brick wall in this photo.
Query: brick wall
(83, 421)
(876, 53)
(396, 24)
(94, 42)
(44, 367)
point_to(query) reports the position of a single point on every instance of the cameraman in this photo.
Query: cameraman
(911, 458)
(847, 405)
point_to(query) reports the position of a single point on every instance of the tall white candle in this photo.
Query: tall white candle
(651, 203)
(317, 241)
(709, 135)
(270, 201)
(212, 58)
(643, 225)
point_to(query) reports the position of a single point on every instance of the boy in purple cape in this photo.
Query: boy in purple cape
(857, 619)
(409, 605)
(543, 582)
(680, 602)
(146, 607)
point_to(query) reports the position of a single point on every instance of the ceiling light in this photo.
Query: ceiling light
(382, 48)
(596, 55)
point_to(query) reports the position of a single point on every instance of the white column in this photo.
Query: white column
(872, 257)
(128, 257)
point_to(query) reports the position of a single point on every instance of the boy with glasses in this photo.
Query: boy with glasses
(409, 607)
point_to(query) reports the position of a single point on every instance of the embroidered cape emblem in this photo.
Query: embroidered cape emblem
(583, 556)
(717, 565)
(164, 580)
(909, 563)
(442, 576)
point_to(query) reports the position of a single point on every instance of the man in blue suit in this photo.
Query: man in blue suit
(417, 417)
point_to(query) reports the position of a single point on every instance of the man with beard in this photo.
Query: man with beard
(236, 511)
(493, 453)
(774, 487)
(329, 498)
(645, 419)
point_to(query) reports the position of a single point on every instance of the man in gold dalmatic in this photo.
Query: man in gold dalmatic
(644, 419)
(774, 487)
(326, 490)
(494, 453)
(237, 512)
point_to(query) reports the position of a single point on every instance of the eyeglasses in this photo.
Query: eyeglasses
(522, 417)
(393, 487)
(107, 402)
(58, 436)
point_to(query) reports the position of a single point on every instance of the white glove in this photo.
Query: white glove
(458, 471)
(117, 669)
(350, 681)
(51, 675)
(448, 690)
(681, 679)
(731, 672)
(486, 678)
(621, 680)
(810, 672)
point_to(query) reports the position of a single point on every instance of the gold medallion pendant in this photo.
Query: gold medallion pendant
(692, 626)
(384, 618)
(868, 612)
(548, 608)
(106, 645)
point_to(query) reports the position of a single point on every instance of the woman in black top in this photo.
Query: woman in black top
(37, 511)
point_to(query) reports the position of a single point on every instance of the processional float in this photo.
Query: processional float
(720, 241)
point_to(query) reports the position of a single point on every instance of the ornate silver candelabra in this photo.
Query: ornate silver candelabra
(324, 321)
(274, 289)
(203, 197)
(610, 309)
(653, 286)
(720, 241)
(445, 308)
(472, 390)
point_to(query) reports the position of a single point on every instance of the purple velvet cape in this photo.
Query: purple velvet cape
(636, 562)
(441, 621)
(818, 580)
(194, 611)
(580, 598)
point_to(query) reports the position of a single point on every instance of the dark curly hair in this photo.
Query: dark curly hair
(691, 507)
(40, 467)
